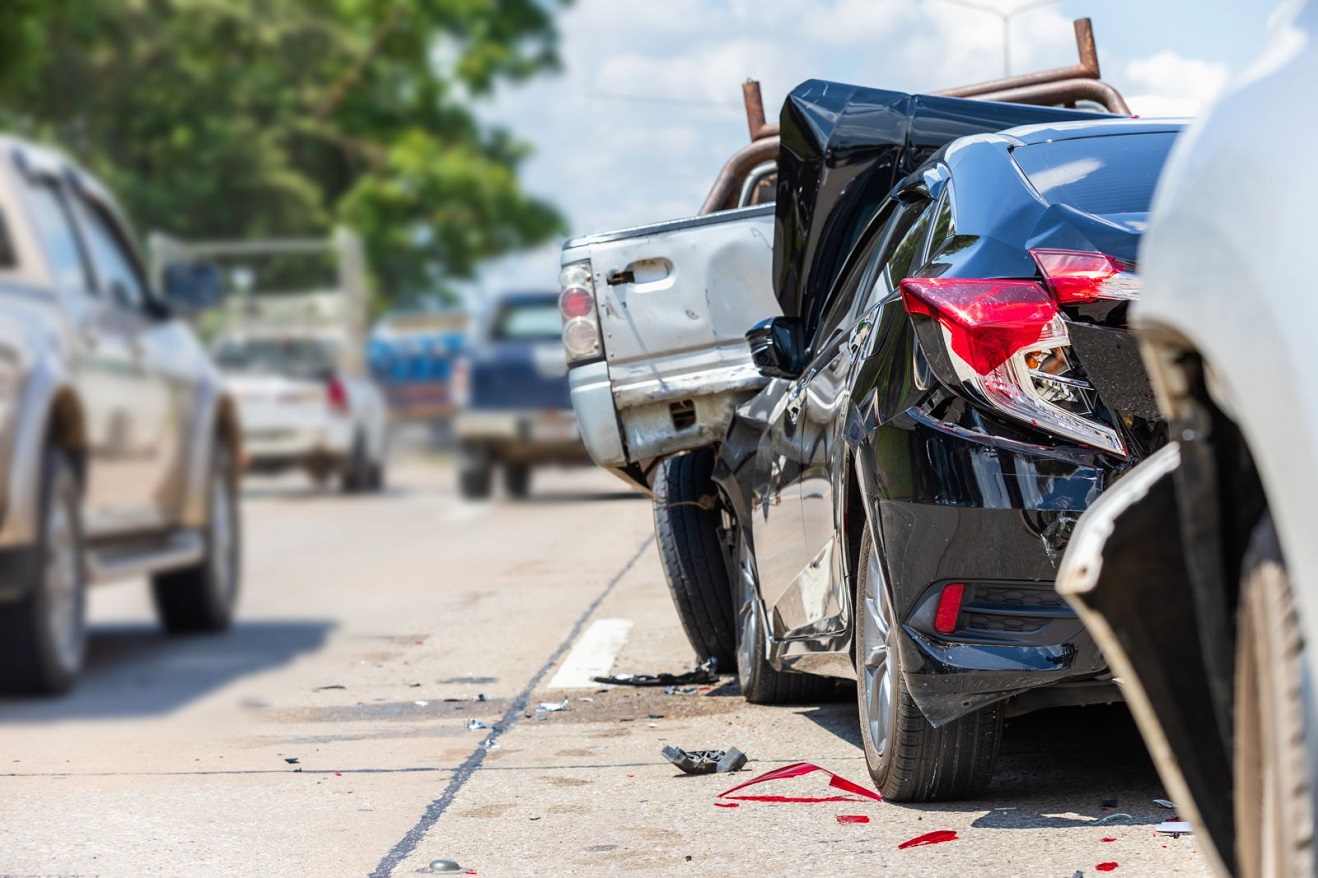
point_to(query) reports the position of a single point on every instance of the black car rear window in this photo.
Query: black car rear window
(1101, 175)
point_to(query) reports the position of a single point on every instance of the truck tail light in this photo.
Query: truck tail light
(337, 394)
(581, 330)
(1007, 341)
(1076, 276)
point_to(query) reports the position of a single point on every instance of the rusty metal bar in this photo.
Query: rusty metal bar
(728, 185)
(759, 128)
(1065, 92)
(1086, 69)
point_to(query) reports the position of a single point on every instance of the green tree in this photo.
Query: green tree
(249, 118)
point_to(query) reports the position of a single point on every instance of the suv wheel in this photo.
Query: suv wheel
(1274, 817)
(908, 759)
(43, 637)
(517, 480)
(202, 597)
(761, 683)
(687, 525)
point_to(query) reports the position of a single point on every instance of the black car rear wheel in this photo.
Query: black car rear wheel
(517, 480)
(687, 525)
(908, 759)
(1274, 815)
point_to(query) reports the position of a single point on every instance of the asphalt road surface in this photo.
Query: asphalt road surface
(327, 733)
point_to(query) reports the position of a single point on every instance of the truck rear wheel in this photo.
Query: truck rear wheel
(687, 525)
(517, 480)
(43, 637)
(475, 473)
(201, 598)
(1274, 816)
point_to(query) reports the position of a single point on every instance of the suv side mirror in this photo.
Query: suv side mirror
(778, 346)
(190, 287)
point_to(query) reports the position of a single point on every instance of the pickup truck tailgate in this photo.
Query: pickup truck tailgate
(674, 302)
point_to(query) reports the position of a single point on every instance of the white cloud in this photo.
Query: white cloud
(1169, 84)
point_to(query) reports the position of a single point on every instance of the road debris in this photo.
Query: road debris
(705, 672)
(1107, 839)
(552, 706)
(726, 805)
(1175, 828)
(938, 836)
(480, 696)
(1164, 803)
(291, 760)
(1106, 867)
(332, 686)
(681, 690)
(442, 867)
(474, 724)
(705, 761)
(852, 818)
(1120, 815)
(798, 769)
(421, 703)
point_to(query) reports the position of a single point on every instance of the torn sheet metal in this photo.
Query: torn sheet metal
(844, 148)
(854, 792)
(705, 761)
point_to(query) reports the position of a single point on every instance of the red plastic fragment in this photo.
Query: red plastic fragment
(1107, 839)
(938, 836)
(726, 805)
(338, 774)
(797, 769)
(852, 818)
(1106, 867)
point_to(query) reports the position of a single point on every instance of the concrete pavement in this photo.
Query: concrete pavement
(369, 628)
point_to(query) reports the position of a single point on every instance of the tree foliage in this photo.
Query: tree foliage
(250, 118)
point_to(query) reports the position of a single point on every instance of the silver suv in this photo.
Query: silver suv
(118, 446)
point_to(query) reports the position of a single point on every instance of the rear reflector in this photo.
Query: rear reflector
(949, 608)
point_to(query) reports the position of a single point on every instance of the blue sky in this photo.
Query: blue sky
(647, 108)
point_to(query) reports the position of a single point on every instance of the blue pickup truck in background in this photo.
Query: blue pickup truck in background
(511, 389)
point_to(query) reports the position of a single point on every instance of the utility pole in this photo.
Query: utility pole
(1006, 18)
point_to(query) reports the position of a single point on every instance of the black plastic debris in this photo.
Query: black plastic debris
(680, 690)
(705, 672)
(291, 760)
(331, 686)
(705, 761)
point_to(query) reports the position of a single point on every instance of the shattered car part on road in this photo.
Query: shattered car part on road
(705, 761)
(705, 673)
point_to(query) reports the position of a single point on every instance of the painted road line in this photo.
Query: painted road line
(593, 655)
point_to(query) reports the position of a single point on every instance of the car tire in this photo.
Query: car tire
(202, 598)
(517, 480)
(1273, 774)
(688, 529)
(908, 759)
(376, 479)
(43, 637)
(475, 473)
(761, 682)
(356, 475)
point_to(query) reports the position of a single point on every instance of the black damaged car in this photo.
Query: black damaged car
(953, 385)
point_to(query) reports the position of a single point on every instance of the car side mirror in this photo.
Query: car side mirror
(778, 346)
(190, 287)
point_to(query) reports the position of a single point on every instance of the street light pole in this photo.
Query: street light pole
(1006, 18)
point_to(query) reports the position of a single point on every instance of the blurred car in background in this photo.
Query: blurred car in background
(120, 443)
(300, 408)
(514, 406)
(1215, 647)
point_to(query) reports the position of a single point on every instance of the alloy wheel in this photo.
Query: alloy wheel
(63, 580)
(877, 670)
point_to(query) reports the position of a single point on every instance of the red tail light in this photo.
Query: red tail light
(575, 302)
(337, 394)
(1076, 276)
(988, 320)
(949, 608)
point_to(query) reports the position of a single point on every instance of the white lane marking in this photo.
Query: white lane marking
(593, 655)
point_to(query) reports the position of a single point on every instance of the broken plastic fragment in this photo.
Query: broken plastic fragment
(420, 703)
(1175, 828)
(1120, 815)
(1107, 839)
(1106, 867)
(797, 769)
(705, 761)
(705, 672)
(552, 706)
(852, 818)
(473, 724)
(726, 805)
(680, 690)
(1163, 803)
(291, 760)
(938, 836)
